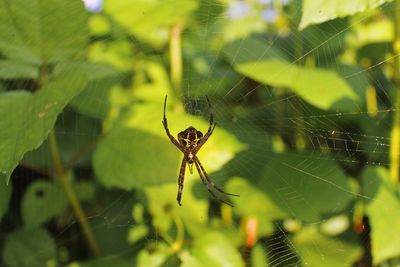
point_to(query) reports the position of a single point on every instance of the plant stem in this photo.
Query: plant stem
(71, 195)
(175, 54)
(395, 134)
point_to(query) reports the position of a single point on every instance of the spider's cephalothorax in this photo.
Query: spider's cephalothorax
(190, 142)
(190, 137)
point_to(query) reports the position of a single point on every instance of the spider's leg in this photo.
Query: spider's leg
(165, 123)
(210, 130)
(181, 179)
(207, 185)
(211, 182)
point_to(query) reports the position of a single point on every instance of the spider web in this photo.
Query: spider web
(299, 176)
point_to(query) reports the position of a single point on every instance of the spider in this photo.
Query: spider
(189, 143)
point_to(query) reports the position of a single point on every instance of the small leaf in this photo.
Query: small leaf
(318, 11)
(319, 87)
(164, 208)
(316, 249)
(214, 250)
(42, 201)
(32, 247)
(42, 30)
(263, 206)
(10, 69)
(306, 189)
(155, 258)
(382, 207)
(28, 118)
(5, 194)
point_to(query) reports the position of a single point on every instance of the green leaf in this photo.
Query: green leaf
(319, 87)
(164, 208)
(149, 20)
(10, 69)
(263, 206)
(5, 194)
(382, 207)
(129, 157)
(42, 30)
(42, 201)
(103, 262)
(126, 158)
(28, 118)
(93, 101)
(32, 247)
(306, 189)
(316, 249)
(318, 11)
(153, 258)
(214, 250)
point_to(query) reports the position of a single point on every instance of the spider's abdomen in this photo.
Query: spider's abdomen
(190, 137)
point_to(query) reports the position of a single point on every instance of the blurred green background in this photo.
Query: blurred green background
(305, 96)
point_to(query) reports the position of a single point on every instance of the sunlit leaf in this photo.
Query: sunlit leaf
(261, 62)
(165, 210)
(149, 20)
(316, 249)
(28, 118)
(42, 30)
(214, 250)
(259, 256)
(263, 206)
(382, 207)
(306, 188)
(42, 201)
(5, 194)
(155, 258)
(323, 10)
(31, 247)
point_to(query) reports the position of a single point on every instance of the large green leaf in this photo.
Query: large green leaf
(42, 30)
(382, 207)
(42, 200)
(31, 247)
(306, 188)
(214, 250)
(5, 194)
(149, 19)
(317, 249)
(129, 158)
(317, 11)
(263, 63)
(138, 153)
(28, 118)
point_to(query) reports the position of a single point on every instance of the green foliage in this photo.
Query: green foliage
(320, 87)
(35, 114)
(5, 194)
(32, 247)
(323, 10)
(317, 249)
(30, 30)
(301, 93)
(382, 205)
